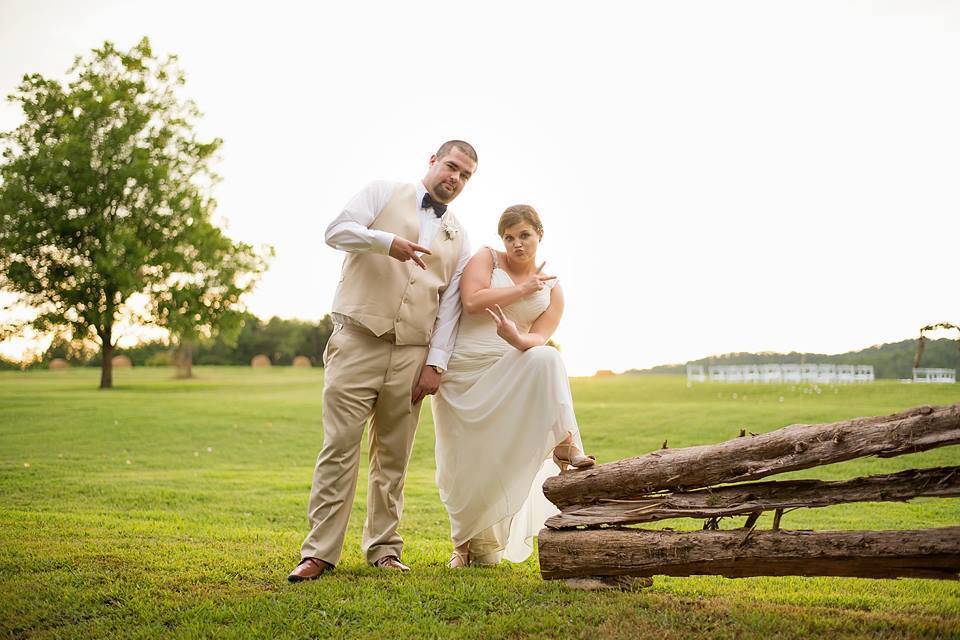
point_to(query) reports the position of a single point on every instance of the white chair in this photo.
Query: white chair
(791, 373)
(695, 373)
(772, 373)
(826, 373)
(750, 373)
(935, 376)
(845, 374)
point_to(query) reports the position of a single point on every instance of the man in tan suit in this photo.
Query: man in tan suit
(396, 312)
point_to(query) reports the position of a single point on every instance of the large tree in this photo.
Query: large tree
(204, 301)
(105, 205)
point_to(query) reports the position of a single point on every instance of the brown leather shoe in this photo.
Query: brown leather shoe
(391, 562)
(309, 569)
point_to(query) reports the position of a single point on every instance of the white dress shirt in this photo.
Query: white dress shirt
(350, 231)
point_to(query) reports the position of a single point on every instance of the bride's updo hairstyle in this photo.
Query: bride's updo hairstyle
(520, 213)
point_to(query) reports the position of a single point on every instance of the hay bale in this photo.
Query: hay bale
(604, 373)
(59, 364)
(121, 362)
(260, 361)
(302, 361)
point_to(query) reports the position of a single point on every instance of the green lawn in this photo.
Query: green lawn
(167, 508)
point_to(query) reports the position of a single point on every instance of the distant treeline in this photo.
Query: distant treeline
(891, 360)
(281, 340)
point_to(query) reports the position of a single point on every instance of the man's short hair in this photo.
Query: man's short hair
(465, 147)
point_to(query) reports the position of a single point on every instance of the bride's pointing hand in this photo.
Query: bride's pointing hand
(506, 328)
(535, 282)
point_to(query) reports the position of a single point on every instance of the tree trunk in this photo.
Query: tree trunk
(756, 497)
(925, 553)
(106, 365)
(791, 448)
(183, 359)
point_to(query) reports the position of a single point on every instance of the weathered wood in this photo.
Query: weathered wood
(925, 553)
(777, 515)
(750, 498)
(752, 520)
(798, 446)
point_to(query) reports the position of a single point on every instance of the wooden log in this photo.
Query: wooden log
(752, 520)
(924, 553)
(798, 446)
(777, 515)
(750, 498)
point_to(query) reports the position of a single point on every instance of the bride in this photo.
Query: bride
(504, 404)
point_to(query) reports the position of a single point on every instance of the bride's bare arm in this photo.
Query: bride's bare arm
(542, 328)
(475, 292)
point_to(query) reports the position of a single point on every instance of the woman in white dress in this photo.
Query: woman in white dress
(504, 407)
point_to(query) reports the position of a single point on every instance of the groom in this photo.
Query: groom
(396, 312)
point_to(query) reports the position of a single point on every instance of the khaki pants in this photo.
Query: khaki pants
(364, 378)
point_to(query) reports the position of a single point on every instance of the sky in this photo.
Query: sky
(712, 176)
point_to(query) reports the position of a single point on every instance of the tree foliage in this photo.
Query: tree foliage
(105, 208)
(279, 339)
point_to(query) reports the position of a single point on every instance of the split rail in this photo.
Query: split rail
(591, 541)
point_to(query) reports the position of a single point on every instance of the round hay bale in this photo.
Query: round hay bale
(302, 361)
(59, 364)
(121, 362)
(260, 361)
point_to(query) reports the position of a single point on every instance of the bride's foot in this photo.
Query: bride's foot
(460, 557)
(566, 454)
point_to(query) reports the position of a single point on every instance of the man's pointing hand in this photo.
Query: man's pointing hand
(403, 250)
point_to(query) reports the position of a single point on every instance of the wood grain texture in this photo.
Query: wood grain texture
(750, 498)
(924, 553)
(799, 446)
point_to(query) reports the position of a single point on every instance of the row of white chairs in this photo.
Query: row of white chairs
(780, 373)
(935, 376)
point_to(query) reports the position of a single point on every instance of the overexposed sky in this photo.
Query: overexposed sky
(712, 176)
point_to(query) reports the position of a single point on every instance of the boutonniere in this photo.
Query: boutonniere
(451, 230)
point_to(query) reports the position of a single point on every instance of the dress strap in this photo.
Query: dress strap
(493, 254)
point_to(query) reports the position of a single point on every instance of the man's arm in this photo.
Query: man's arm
(448, 314)
(444, 330)
(350, 231)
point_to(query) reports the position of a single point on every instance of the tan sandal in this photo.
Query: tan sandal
(459, 560)
(572, 457)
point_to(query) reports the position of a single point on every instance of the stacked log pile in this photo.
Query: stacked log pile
(589, 539)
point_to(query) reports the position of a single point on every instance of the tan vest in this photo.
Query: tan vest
(388, 295)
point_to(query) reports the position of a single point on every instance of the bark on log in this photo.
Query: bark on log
(798, 446)
(714, 502)
(925, 553)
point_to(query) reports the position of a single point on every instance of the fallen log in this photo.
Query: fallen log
(798, 446)
(751, 498)
(924, 553)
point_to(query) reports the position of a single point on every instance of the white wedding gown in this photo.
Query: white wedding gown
(498, 415)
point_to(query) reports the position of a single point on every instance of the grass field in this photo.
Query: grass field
(166, 508)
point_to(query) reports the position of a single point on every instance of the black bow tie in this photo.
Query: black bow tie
(429, 203)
